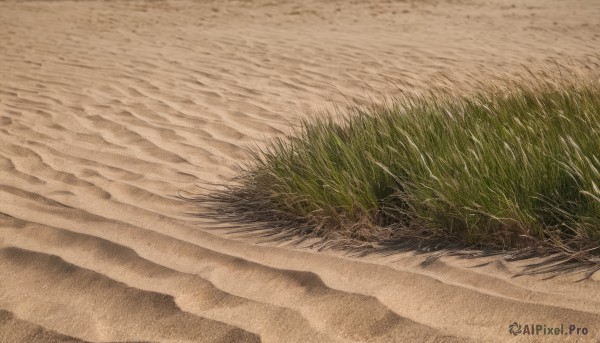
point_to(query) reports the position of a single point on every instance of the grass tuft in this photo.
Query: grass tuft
(512, 166)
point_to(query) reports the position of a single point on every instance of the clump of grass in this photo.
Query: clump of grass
(509, 167)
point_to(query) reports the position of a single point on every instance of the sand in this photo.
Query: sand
(109, 108)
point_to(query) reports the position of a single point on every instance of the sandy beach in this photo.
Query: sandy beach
(109, 108)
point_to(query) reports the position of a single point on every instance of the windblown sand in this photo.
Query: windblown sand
(109, 108)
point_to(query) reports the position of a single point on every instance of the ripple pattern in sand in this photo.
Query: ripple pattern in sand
(108, 108)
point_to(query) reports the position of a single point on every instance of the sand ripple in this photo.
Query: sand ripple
(109, 108)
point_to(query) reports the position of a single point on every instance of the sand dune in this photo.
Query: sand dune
(109, 108)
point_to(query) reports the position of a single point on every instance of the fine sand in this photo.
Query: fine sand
(109, 108)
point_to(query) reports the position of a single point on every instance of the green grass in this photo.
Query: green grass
(508, 167)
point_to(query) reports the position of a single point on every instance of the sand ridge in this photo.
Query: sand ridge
(109, 108)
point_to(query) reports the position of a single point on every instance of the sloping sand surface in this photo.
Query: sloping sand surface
(109, 108)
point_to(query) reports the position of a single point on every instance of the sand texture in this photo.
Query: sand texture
(109, 108)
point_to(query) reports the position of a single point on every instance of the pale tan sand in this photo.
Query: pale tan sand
(108, 108)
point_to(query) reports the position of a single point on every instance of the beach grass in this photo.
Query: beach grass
(510, 166)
